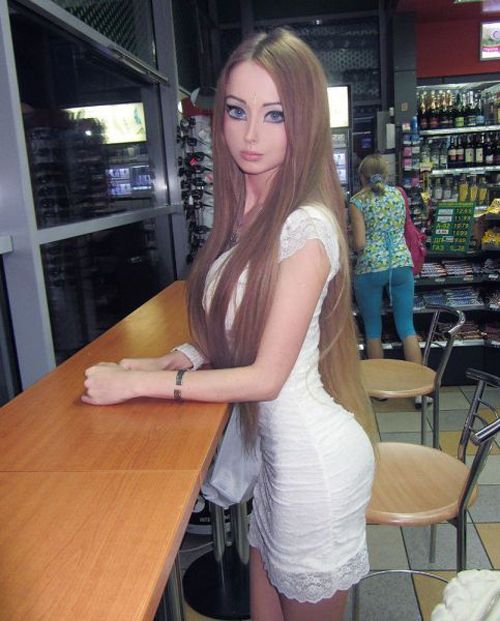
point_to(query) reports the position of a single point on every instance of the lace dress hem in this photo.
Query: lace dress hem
(313, 587)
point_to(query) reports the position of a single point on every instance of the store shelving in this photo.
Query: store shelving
(459, 130)
(471, 170)
(419, 172)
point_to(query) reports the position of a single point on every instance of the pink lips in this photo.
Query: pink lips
(250, 156)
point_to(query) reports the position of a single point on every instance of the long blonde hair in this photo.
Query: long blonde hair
(307, 176)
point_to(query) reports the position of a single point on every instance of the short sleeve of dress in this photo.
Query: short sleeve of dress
(311, 222)
(361, 205)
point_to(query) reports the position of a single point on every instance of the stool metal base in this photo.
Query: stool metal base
(218, 589)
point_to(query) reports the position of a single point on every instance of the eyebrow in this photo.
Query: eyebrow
(273, 103)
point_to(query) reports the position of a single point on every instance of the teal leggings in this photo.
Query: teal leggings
(368, 289)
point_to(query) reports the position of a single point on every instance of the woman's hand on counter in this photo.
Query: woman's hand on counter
(107, 383)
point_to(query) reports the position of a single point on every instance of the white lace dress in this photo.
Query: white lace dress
(308, 519)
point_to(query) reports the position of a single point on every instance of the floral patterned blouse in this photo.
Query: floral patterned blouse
(384, 216)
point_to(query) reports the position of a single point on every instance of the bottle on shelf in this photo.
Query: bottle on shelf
(443, 155)
(460, 152)
(452, 153)
(496, 150)
(423, 120)
(489, 151)
(479, 109)
(482, 191)
(489, 108)
(435, 154)
(454, 190)
(463, 188)
(433, 111)
(425, 155)
(459, 119)
(469, 151)
(470, 111)
(479, 149)
(473, 189)
(447, 189)
(445, 111)
(437, 190)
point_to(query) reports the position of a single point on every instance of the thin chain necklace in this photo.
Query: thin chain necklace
(241, 222)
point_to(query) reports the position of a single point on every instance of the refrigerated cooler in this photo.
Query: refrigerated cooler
(339, 102)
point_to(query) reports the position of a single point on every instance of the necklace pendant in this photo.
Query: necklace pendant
(233, 240)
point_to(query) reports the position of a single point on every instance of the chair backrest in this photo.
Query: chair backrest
(446, 324)
(481, 437)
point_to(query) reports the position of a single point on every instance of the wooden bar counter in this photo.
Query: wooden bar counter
(94, 500)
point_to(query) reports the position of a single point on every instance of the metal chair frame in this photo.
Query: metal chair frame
(449, 336)
(483, 439)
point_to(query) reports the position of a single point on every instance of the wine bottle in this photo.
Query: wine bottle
(452, 153)
(423, 121)
(470, 115)
(433, 112)
(496, 150)
(469, 151)
(489, 151)
(480, 119)
(443, 155)
(479, 149)
(459, 119)
(460, 151)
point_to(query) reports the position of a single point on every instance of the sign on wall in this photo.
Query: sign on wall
(489, 41)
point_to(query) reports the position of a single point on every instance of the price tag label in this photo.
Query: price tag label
(452, 227)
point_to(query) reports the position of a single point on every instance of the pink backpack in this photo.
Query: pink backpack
(415, 239)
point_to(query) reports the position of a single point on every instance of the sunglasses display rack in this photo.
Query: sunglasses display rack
(68, 169)
(87, 162)
(48, 174)
(196, 174)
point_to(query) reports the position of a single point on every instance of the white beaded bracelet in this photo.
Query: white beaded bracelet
(192, 353)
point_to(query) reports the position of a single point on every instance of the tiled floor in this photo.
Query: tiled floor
(397, 597)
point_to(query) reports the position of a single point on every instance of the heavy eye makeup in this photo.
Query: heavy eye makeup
(235, 112)
(275, 116)
(238, 113)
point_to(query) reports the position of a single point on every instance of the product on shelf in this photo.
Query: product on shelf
(494, 208)
(493, 300)
(195, 170)
(450, 159)
(492, 331)
(491, 238)
(471, 150)
(445, 109)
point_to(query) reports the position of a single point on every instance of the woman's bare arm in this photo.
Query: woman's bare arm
(358, 228)
(300, 281)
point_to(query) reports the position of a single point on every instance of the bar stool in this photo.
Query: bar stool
(421, 486)
(217, 584)
(395, 379)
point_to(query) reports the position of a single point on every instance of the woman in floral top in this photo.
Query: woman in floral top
(378, 215)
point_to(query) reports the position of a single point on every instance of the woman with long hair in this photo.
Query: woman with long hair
(269, 304)
(378, 214)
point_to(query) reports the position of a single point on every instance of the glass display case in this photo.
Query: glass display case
(87, 172)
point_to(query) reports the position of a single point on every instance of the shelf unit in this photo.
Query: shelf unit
(459, 130)
(480, 352)
(471, 170)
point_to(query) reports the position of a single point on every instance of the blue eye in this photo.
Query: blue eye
(235, 112)
(275, 116)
